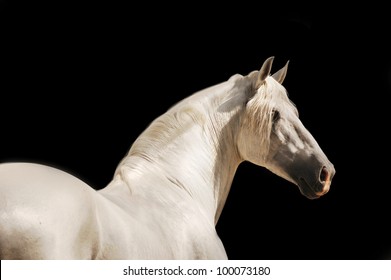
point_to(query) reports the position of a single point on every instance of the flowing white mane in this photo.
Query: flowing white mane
(201, 109)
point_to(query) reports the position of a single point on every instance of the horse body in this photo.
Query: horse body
(49, 214)
(45, 214)
(168, 192)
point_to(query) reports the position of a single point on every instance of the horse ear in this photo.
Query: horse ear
(279, 76)
(264, 72)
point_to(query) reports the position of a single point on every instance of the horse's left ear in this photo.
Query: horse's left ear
(264, 72)
(279, 76)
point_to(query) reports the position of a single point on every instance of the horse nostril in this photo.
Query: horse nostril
(324, 175)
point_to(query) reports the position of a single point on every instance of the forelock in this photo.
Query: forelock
(259, 109)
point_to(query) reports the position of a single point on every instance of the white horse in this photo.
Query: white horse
(168, 192)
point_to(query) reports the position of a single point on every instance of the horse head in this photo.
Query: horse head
(273, 136)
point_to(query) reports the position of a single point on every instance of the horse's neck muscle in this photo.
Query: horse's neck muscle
(185, 151)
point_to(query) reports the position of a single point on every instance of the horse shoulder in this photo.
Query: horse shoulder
(147, 228)
(46, 213)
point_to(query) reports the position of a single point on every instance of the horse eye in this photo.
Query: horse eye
(275, 116)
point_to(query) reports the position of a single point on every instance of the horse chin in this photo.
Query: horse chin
(307, 190)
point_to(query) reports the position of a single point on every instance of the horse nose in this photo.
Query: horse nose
(325, 177)
(324, 174)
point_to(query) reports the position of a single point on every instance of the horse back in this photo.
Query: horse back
(45, 213)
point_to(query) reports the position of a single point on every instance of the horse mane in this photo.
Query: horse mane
(190, 111)
(237, 92)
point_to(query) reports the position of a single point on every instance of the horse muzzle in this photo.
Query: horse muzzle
(314, 189)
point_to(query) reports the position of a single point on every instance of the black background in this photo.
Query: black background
(80, 82)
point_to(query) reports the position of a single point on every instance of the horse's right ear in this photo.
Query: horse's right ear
(279, 76)
(264, 72)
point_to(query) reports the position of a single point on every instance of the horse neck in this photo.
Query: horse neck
(186, 151)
